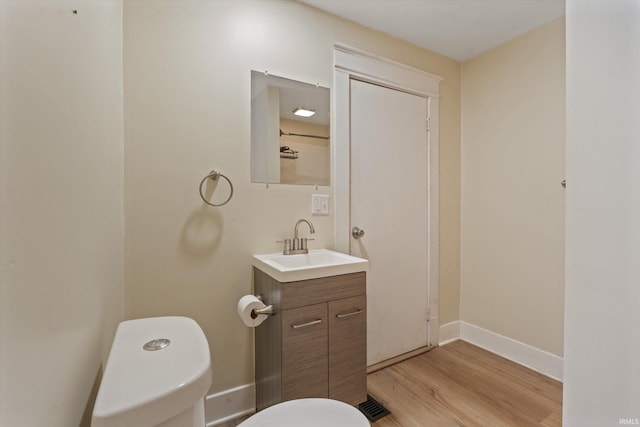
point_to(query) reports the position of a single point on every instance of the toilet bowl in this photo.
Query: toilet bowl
(159, 371)
(308, 413)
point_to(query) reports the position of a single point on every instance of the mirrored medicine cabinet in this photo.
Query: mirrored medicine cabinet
(289, 131)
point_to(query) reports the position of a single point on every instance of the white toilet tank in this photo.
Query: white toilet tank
(157, 374)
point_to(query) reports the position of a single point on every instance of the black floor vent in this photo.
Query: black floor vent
(372, 409)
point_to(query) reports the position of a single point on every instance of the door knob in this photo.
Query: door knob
(357, 232)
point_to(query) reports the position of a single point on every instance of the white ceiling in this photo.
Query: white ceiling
(459, 29)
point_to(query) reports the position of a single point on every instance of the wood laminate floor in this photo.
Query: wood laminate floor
(460, 384)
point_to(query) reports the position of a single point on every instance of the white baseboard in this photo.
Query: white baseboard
(533, 358)
(449, 332)
(229, 405)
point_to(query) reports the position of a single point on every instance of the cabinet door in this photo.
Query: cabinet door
(348, 349)
(304, 352)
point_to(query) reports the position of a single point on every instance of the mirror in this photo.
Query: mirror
(286, 147)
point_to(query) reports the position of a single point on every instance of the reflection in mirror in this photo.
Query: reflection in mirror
(289, 131)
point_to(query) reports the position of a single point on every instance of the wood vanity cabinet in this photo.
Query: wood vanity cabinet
(315, 345)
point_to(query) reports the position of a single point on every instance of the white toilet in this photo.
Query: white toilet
(159, 371)
(308, 413)
(157, 374)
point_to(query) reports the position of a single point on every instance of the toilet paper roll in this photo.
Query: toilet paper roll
(246, 305)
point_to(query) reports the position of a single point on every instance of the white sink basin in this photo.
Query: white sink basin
(317, 263)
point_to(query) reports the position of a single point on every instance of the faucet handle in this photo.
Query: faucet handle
(287, 244)
(303, 243)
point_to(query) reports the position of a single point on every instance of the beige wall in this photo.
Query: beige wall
(513, 124)
(187, 111)
(61, 206)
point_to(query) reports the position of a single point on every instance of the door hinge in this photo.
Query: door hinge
(428, 124)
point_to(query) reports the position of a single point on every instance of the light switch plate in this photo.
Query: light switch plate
(319, 204)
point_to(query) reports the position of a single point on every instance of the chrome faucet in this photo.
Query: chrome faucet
(299, 245)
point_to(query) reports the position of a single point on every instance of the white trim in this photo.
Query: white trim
(449, 332)
(369, 67)
(516, 351)
(341, 154)
(230, 404)
(354, 63)
(523, 354)
(433, 220)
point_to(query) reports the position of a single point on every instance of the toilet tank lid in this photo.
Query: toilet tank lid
(170, 379)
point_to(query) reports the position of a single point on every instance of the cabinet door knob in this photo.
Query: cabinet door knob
(353, 313)
(304, 325)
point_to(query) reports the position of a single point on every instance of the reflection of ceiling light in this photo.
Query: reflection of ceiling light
(303, 113)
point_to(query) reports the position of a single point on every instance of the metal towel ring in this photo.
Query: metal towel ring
(214, 174)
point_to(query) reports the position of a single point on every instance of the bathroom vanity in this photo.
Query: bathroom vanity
(315, 345)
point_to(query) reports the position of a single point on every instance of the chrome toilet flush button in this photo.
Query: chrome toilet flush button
(157, 344)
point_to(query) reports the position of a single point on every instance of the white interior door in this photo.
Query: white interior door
(389, 201)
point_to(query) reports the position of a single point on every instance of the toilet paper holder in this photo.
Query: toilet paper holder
(267, 310)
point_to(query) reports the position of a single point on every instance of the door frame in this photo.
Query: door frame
(354, 63)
